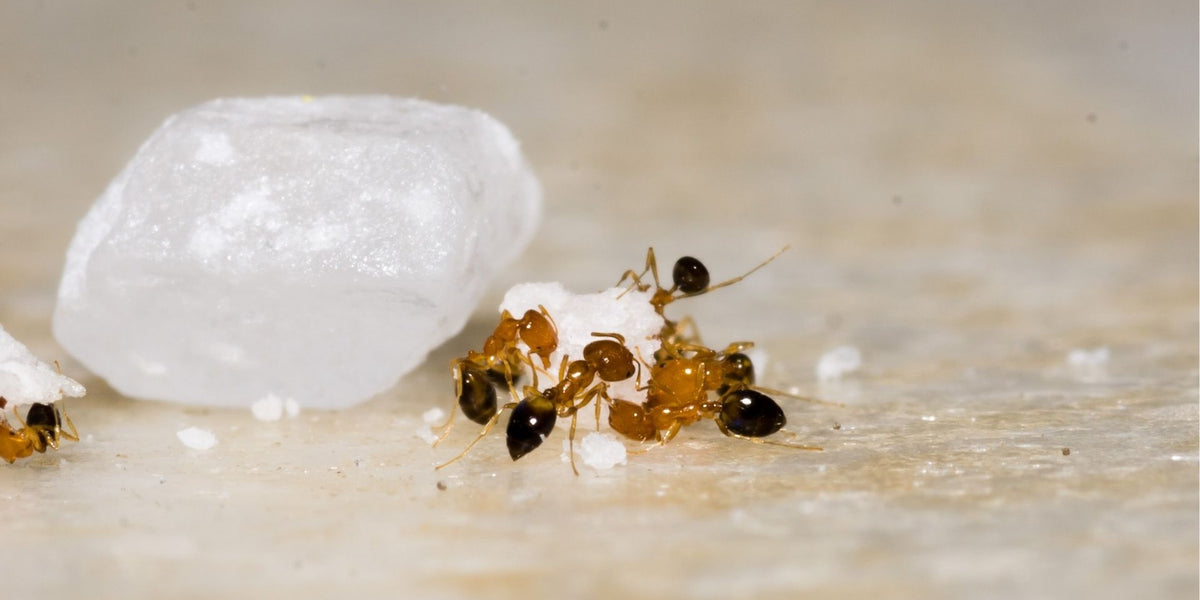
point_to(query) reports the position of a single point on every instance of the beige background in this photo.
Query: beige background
(971, 190)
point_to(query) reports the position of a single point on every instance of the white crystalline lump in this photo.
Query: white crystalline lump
(577, 316)
(316, 249)
(597, 450)
(196, 438)
(25, 379)
(429, 418)
(1081, 358)
(838, 362)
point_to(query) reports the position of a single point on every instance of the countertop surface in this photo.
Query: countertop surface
(971, 191)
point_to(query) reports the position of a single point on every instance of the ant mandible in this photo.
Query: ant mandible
(41, 428)
(533, 417)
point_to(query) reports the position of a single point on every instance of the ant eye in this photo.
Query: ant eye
(478, 398)
(751, 414)
(690, 275)
(531, 422)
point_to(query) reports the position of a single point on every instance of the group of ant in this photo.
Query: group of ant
(687, 382)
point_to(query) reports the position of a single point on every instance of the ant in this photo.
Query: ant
(689, 277)
(534, 416)
(678, 395)
(41, 428)
(500, 361)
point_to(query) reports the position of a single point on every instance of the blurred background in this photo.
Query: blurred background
(970, 190)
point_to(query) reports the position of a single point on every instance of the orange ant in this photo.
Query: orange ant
(41, 428)
(678, 395)
(689, 277)
(500, 360)
(534, 416)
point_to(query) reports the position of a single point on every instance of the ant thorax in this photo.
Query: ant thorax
(577, 317)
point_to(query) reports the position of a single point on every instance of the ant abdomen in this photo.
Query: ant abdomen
(748, 413)
(478, 397)
(531, 422)
(690, 275)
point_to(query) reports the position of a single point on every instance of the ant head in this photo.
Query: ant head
(738, 367)
(44, 416)
(613, 361)
(690, 275)
(749, 413)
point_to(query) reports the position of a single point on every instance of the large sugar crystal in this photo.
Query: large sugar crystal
(314, 249)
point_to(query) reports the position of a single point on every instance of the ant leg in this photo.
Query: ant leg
(444, 429)
(486, 428)
(74, 435)
(671, 433)
(774, 392)
(571, 443)
(739, 277)
(731, 434)
(688, 323)
(736, 347)
(508, 377)
(598, 412)
(636, 278)
(652, 266)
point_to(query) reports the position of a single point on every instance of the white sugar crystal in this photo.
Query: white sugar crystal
(577, 316)
(24, 379)
(1088, 359)
(291, 407)
(428, 419)
(433, 415)
(312, 248)
(597, 450)
(838, 362)
(268, 408)
(196, 438)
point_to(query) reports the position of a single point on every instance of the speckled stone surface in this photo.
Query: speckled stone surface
(970, 191)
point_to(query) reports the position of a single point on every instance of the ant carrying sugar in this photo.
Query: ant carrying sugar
(41, 428)
(534, 416)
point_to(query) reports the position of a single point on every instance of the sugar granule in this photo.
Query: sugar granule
(1084, 358)
(597, 450)
(428, 418)
(838, 362)
(197, 438)
(268, 408)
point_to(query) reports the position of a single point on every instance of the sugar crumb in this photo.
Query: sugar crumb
(838, 362)
(268, 408)
(597, 450)
(197, 438)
